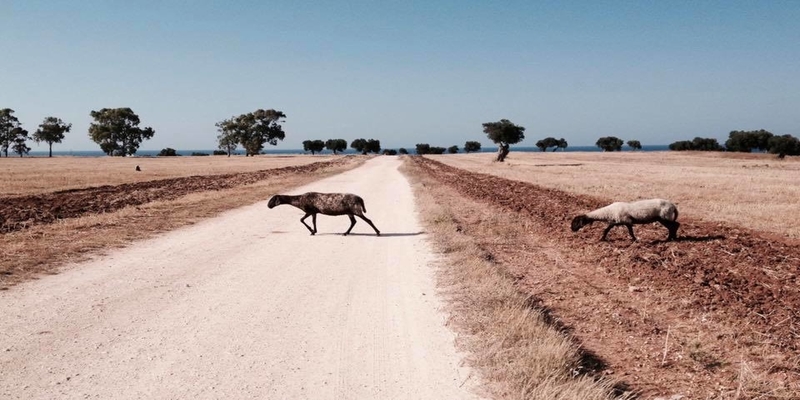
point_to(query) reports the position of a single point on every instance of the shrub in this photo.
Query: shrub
(168, 152)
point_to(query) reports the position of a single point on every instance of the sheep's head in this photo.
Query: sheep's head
(579, 222)
(274, 201)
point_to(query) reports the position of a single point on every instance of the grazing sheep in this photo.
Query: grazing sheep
(313, 203)
(628, 214)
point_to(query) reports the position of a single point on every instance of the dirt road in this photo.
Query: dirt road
(247, 305)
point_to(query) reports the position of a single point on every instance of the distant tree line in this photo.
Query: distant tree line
(744, 142)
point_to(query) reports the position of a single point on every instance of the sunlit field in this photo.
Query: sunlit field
(35, 175)
(757, 191)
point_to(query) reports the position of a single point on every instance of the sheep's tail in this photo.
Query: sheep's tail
(360, 202)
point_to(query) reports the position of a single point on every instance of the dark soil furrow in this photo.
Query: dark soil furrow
(713, 267)
(18, 213)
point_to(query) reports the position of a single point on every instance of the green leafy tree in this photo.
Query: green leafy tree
(51, 131)
(423, 148)
(698, 144)
(634, 144)
(562, 144)
(786, 145)
(610, 143)
(402, 150)
(373, 146)
(437, 150)
(228, 139)
(117, 131)
(390, 152)
(359, 145)
(472, 146)
(314, 146)
(19, 137)
(452, 149)
(252, 131)
(747, 141)
(8, 122)
(503, 133)
(336, 145)
(546, 143)
(168, 152)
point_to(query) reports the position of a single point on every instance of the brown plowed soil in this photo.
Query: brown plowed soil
(18, 213)
(715, 314)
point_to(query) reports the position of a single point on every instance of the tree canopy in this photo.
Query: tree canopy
(546, 143)
(117, 131)
(472, 146)
(19, 137)
(336, 145)
(251, 130)
(50, 131)
(314, 146)
(8, 124)
(747, 141)
(503, 133)
(786, 145)
(698, 144)
(365, 146)
(634, 144)
(610, 143)
(452, 149)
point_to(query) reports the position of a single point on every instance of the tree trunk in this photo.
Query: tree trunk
(502, 152)
(51, 150)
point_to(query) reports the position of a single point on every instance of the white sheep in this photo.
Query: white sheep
(628, 214)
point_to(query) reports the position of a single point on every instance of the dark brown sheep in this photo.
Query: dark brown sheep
(313, 203)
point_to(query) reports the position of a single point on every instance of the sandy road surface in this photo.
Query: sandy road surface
(247, 305)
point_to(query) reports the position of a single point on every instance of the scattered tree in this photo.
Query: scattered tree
(221, 153)
(117, 131)
(51, 131)
(359, 145)
(389, 152)
(747, 141)
(314, 146)
(198, 154)
(471, 147)
(634, 144)
(610, 143)
(336, 145)
(437, 150)
(423, 148)
(251, 130)
(503, 133)
(698, 144)
(546, 143)
(19, 137)
(168, 152)
(8, 122)
(562, 144)
(373, 146)
(452, 149)
(402, 150)
(786, 145)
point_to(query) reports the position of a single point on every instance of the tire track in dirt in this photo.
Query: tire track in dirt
(745, 279)
(17, 213)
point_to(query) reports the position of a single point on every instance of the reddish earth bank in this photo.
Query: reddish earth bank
(21, 212)
(722, 303)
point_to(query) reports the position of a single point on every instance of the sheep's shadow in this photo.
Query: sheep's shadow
(690, 238)
(372, 234)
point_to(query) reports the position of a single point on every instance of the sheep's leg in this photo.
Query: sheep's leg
(605, 232)
(303, 220)
(352, 224)
(314, 221)
(672, 226)
(377, 232)
(630, 230)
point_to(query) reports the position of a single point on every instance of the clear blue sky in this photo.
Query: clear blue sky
(406, 72)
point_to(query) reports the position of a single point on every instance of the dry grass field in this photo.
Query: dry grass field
(34, 175)
(710, 315)
(757, 191)
(43, 248)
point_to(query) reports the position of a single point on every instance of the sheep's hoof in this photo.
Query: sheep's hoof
(378, 233)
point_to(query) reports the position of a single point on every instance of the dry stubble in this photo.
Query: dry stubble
(756, 191)
(519, 354)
